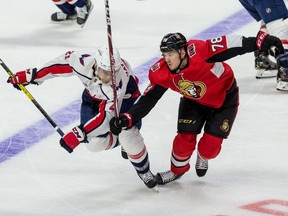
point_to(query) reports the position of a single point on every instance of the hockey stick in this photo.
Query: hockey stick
(112, 60)
(112, 63)
(33, 100)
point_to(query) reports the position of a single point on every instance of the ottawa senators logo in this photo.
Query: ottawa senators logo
(190, 89)
(225, 125)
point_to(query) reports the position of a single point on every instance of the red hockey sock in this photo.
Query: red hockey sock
(183, 147)
(209, 146)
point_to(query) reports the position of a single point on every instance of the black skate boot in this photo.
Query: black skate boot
(282, 79)
(83, 13)
(201, 166)
(60, 16)
(149, 179)
(166, 177)
(264, 66)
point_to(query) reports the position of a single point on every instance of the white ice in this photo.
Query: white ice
(45, 180)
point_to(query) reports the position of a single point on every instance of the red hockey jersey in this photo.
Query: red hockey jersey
(205, 80)
(202, 81)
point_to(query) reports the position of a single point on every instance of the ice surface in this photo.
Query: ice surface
(249, 177)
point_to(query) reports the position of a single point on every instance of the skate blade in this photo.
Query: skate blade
(155, 189)
(282, 86)
(262, 74)
(64, 22)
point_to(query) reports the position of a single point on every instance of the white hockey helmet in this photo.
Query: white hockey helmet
(104, 58)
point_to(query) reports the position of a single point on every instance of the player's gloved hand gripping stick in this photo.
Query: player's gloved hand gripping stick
(33, 100)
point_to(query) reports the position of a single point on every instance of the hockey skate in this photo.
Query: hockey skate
(282, 79)
(149, 179)
(166, 177)
(264, 66)
(201, 166)
(60, 16)
(83, 13)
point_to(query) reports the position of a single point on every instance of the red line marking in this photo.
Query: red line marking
(260, 207)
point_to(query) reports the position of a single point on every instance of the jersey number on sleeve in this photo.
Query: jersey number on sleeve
(67, 55)
(216, 43)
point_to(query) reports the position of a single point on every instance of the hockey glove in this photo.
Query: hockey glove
(23, 77)
(72, 139)
(265, 42)
(117, 124)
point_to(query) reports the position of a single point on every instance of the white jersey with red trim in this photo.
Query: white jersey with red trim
(84, 66)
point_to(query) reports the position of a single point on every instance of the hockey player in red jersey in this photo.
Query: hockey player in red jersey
(71, 10)
(97, 108)
(209, 95)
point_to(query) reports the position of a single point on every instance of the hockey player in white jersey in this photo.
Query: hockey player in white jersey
(97, 108)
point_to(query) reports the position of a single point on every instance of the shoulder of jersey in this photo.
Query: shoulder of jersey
(159, 64)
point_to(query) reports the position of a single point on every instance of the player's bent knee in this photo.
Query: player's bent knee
(184, 144)
(209, 146)
(97, 144)
(132, 141)
(279, 28)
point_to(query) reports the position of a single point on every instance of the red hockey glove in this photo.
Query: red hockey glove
(117, 124)
(266, 42)
(72, 139)
(23, 77)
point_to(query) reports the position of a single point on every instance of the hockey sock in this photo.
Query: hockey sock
(183, 147)
(209, 146)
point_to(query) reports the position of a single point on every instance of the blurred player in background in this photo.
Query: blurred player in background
(273, 17)
(71, 10)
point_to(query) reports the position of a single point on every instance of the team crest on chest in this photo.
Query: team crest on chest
(188, 88)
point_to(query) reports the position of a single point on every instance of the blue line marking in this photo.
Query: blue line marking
(24, 139)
